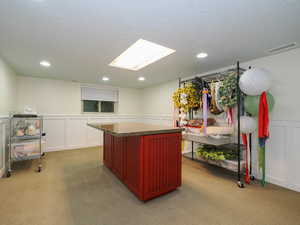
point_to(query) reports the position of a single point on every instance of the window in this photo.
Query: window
(107, 107)
(96, 100)
(98, 106)
(90, 106)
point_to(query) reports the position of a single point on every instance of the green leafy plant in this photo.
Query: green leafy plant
(210, 155)
(208, 152)
(227, 91)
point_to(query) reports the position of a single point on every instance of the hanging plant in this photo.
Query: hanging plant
(227, 91)
(186, 98)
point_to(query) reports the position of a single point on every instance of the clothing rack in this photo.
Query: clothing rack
(212, 76)
(220, 76)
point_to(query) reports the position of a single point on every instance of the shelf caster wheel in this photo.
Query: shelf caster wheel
(8, 174)
(39, 169)
(240, 184)
(43, 154)
(252, 177)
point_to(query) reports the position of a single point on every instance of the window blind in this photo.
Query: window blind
(95, 94)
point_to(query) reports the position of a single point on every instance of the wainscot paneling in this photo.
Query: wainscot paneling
(283, 155)
(282, 151)
(55, 129)
(276, 152)
(71, 131)
(94, 137)
(3, 143)
(76, 132)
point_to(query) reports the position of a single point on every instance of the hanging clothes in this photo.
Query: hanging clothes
(263, 133)
(217, 96)
(213, 104)
(229, 116)
(263, 117)
(205, 109)
(246, 144)
(199, 84)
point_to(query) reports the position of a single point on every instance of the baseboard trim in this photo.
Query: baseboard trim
(283, 183)
(91, 116)
(2, 172)
(56, 149)
(3, 117)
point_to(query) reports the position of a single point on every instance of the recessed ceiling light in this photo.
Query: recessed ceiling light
(141, 54)
(105, 78)
(141, 78)
(45, 63)
(202, 55)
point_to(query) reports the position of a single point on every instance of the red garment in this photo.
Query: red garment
(263, 117)
(230, 116)
(245, 142)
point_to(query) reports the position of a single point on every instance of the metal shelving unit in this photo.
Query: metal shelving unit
(236, 163)
(29, 133)
(229, 164)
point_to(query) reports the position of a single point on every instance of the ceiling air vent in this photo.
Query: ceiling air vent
(283, 48)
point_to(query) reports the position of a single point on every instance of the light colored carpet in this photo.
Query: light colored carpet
(75, 188)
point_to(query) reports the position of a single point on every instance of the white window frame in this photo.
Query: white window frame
(114, 92)
(99, 108)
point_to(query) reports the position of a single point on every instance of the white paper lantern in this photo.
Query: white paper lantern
(247, 124)
(255, 81)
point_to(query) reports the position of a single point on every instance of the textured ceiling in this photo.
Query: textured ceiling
(81, 37)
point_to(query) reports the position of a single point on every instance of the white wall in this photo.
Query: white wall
(71, 131)
(2, 147)
(60, 103)
(129, 101)
(285, 70)
(282, 148)
(7, 104)
(8, 86)
(157, 106)
(157, 100)
(48, 96)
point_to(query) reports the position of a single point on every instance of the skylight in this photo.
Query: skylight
(141, 54)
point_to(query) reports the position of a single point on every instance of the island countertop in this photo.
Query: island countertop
(133, 129)
(145, 157)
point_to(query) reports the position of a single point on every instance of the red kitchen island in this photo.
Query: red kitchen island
(146, 158)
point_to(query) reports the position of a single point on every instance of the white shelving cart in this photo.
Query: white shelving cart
(25, 140)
